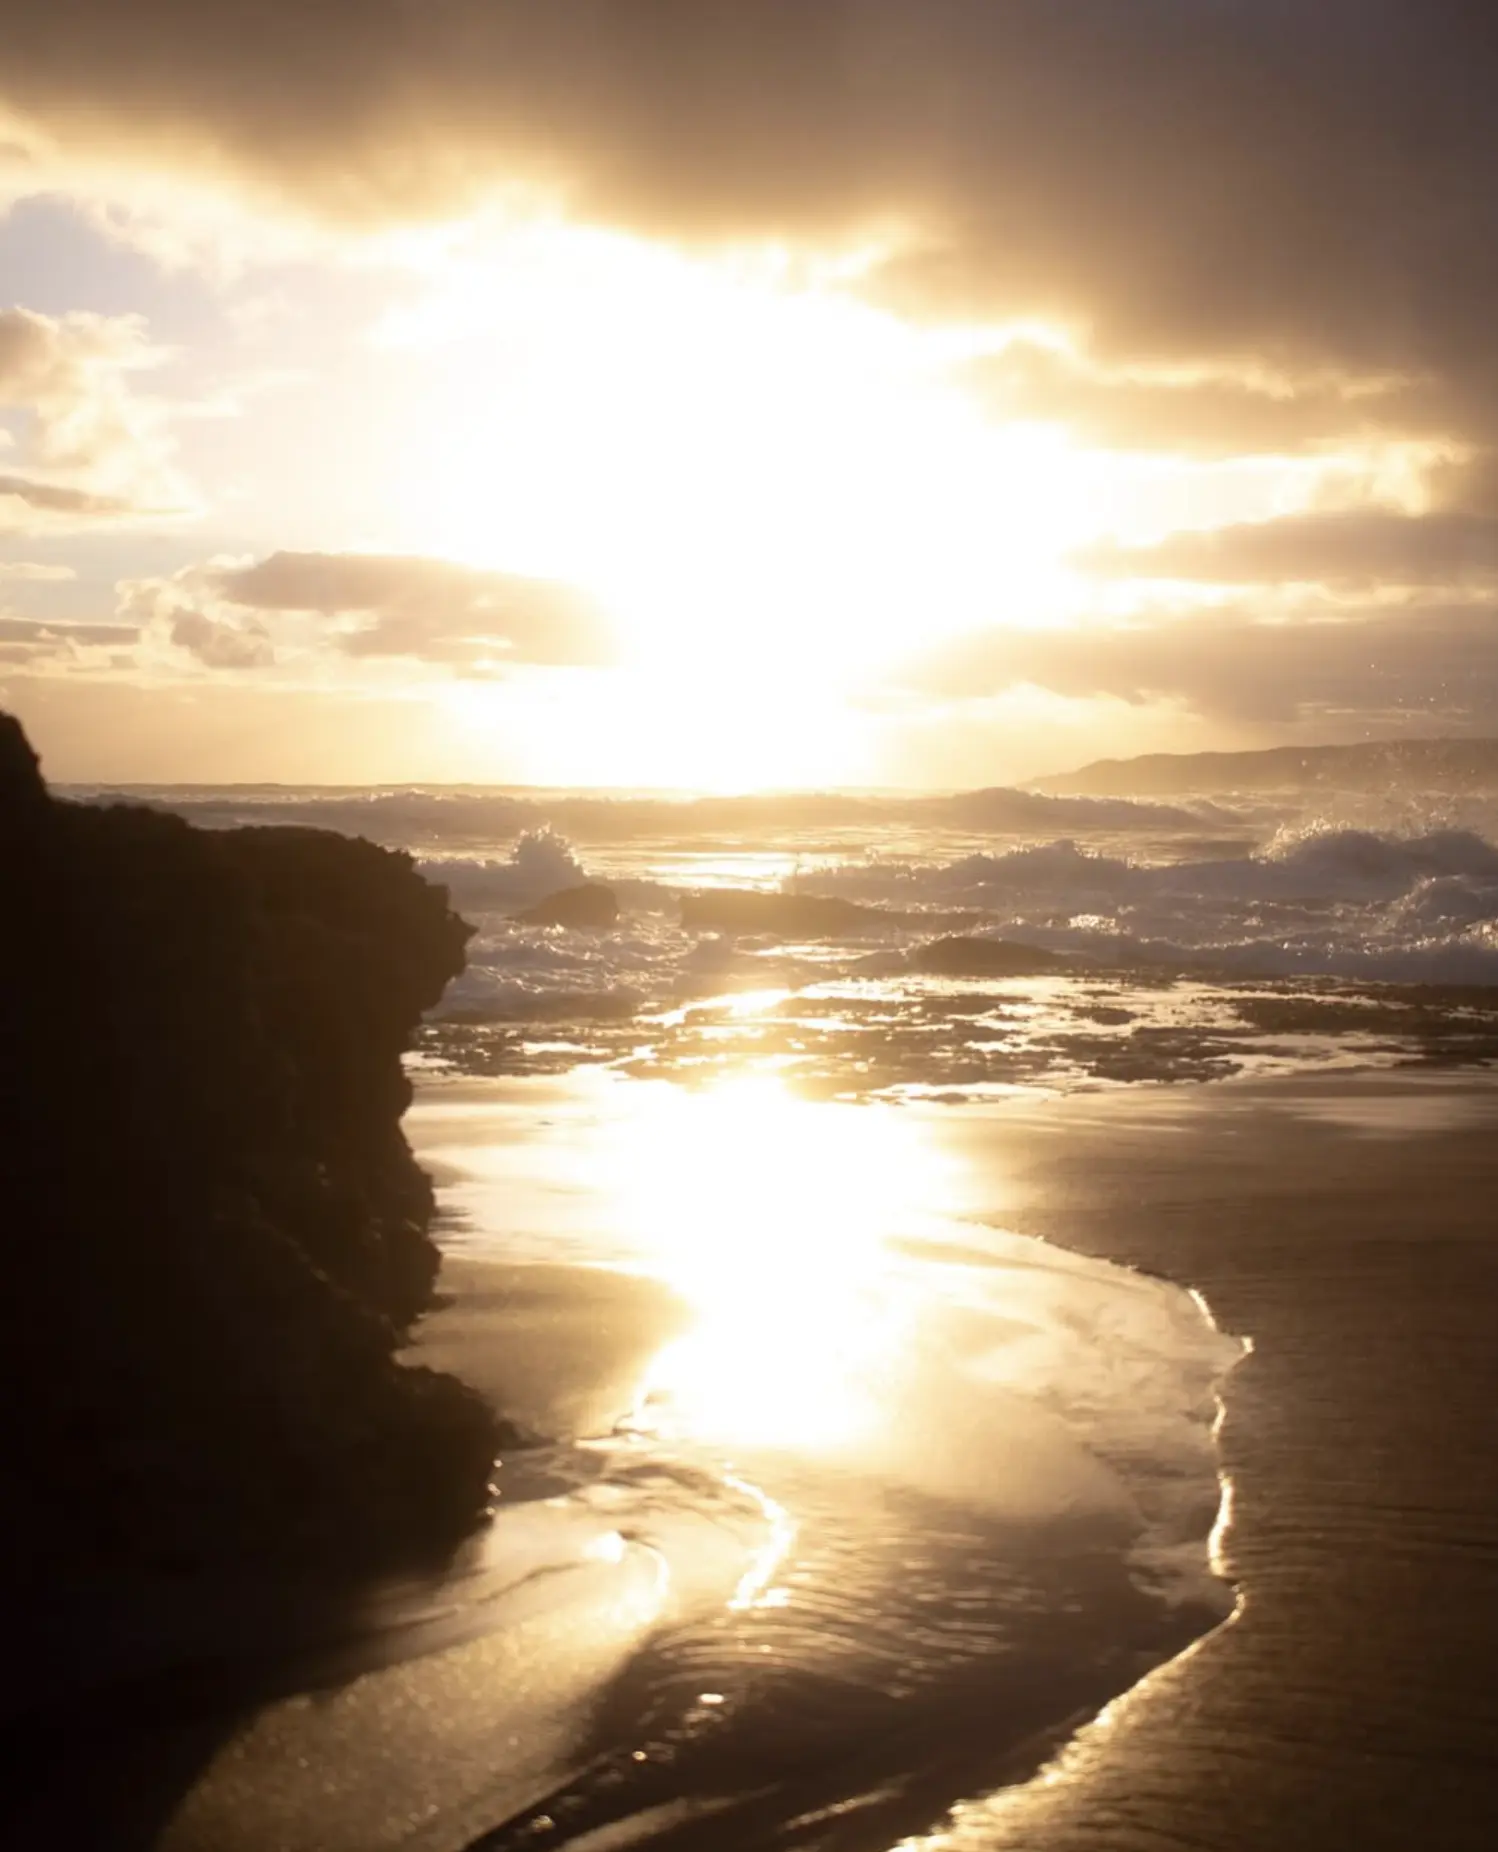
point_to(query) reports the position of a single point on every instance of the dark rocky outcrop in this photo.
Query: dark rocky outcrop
(967, 957)
(214, 1231)
(786, 916)
(590, 906)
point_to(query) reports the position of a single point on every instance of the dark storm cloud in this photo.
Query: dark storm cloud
(1358, 548)
(1185, 175)
(1439, 661)
(434, 609)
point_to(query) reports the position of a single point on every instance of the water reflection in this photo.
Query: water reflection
(843, 1306)
(781, 1221)
(918, 1489)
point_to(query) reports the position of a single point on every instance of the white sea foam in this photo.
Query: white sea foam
(1335, 902)
(1362, 889)
(541, 862)
(1354, 904)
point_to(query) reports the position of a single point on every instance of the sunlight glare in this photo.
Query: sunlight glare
(666, 731)
(773, 1217)
(742, 470)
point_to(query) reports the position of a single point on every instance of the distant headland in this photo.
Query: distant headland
(1454, 765)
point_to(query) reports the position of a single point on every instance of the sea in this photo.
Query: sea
(907, 1495)
(1213, 936)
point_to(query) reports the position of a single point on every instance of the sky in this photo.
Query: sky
(707, 395)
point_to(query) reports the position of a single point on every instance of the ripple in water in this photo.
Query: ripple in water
(977, 1476)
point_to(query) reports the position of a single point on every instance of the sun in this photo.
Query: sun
(644, 729)
(760, 478)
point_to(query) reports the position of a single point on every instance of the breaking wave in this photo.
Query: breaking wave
(541, 862)
(1319, 902)
(436, 819)
(1337, 903)
(1137, 891)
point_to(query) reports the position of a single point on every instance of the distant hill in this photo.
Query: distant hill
(1427, 765)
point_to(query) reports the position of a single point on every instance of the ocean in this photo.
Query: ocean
(908, 1493)
(1213, 936)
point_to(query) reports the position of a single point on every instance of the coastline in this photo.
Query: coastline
(1347, 1228)
(1344, 1225)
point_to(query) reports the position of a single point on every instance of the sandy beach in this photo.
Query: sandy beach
(1349, 1231)
(1345, 1228)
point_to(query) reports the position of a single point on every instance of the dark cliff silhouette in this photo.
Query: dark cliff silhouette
(214, 1231)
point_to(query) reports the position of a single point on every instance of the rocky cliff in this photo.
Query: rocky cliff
(214, 1233)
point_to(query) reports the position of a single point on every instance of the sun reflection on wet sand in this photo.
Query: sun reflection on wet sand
(852, 1297)
(776, 1218)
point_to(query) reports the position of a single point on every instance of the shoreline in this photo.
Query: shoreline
(1343, 1224)
(1346, 1228)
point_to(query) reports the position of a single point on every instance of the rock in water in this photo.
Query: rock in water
(589, 906)
(214, 1232)
(976, 957)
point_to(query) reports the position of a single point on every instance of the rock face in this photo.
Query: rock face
(214, 1232)
(972, 957)
(791, 916)
(589, 906)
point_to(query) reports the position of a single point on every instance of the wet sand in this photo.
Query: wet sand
(560, 1349)
(1348, 1228)
(1352, 1232)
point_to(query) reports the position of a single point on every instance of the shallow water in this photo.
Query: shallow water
(922, 1490)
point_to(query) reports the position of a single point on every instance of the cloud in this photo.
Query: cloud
(436, 609)
(1205, 413)
(56, 498)
(31, 645)
(40, 509)
(1192, 176)
(69, 372)
(1355, 548)
(292, 607)
(29, 630)
(1467, 484)
(30, 572)
(1440, 661)
(1267, 222)
(93, 447)
(218, 642)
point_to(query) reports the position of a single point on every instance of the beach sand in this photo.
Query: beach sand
(1347, 1227)
(1351, 1230)
(560, 1349)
